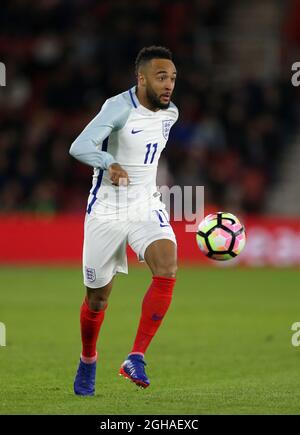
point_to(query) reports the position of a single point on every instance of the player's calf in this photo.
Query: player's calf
(155, 305)
(92, 314)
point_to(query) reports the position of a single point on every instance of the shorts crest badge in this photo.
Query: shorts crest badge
(90, 274)
(166, 127)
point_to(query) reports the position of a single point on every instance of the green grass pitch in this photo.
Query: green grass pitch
(224, 347)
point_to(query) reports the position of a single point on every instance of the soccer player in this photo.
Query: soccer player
(123, 144)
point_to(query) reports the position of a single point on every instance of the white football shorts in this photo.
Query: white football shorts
(106, 239)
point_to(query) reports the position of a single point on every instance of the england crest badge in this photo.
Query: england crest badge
(166, 127)
(90, 274)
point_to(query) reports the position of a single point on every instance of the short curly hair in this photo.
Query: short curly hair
(148, 53)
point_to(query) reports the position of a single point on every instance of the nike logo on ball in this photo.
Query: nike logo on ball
(133, 131)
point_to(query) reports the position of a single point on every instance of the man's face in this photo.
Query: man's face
(158, 77)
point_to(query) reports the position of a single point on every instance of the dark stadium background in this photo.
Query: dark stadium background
(238, 135)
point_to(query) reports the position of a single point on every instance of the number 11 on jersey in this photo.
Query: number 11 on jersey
(150, 147)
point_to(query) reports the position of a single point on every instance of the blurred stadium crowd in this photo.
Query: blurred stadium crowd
(68, 56)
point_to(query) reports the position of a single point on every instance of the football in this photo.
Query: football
(221, 236)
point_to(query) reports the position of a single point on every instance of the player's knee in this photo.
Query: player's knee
(97, 303)
(167, 270)
(97, 298)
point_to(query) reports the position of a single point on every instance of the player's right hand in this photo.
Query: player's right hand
(118, 175)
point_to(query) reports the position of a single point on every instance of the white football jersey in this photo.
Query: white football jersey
(134, 137)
